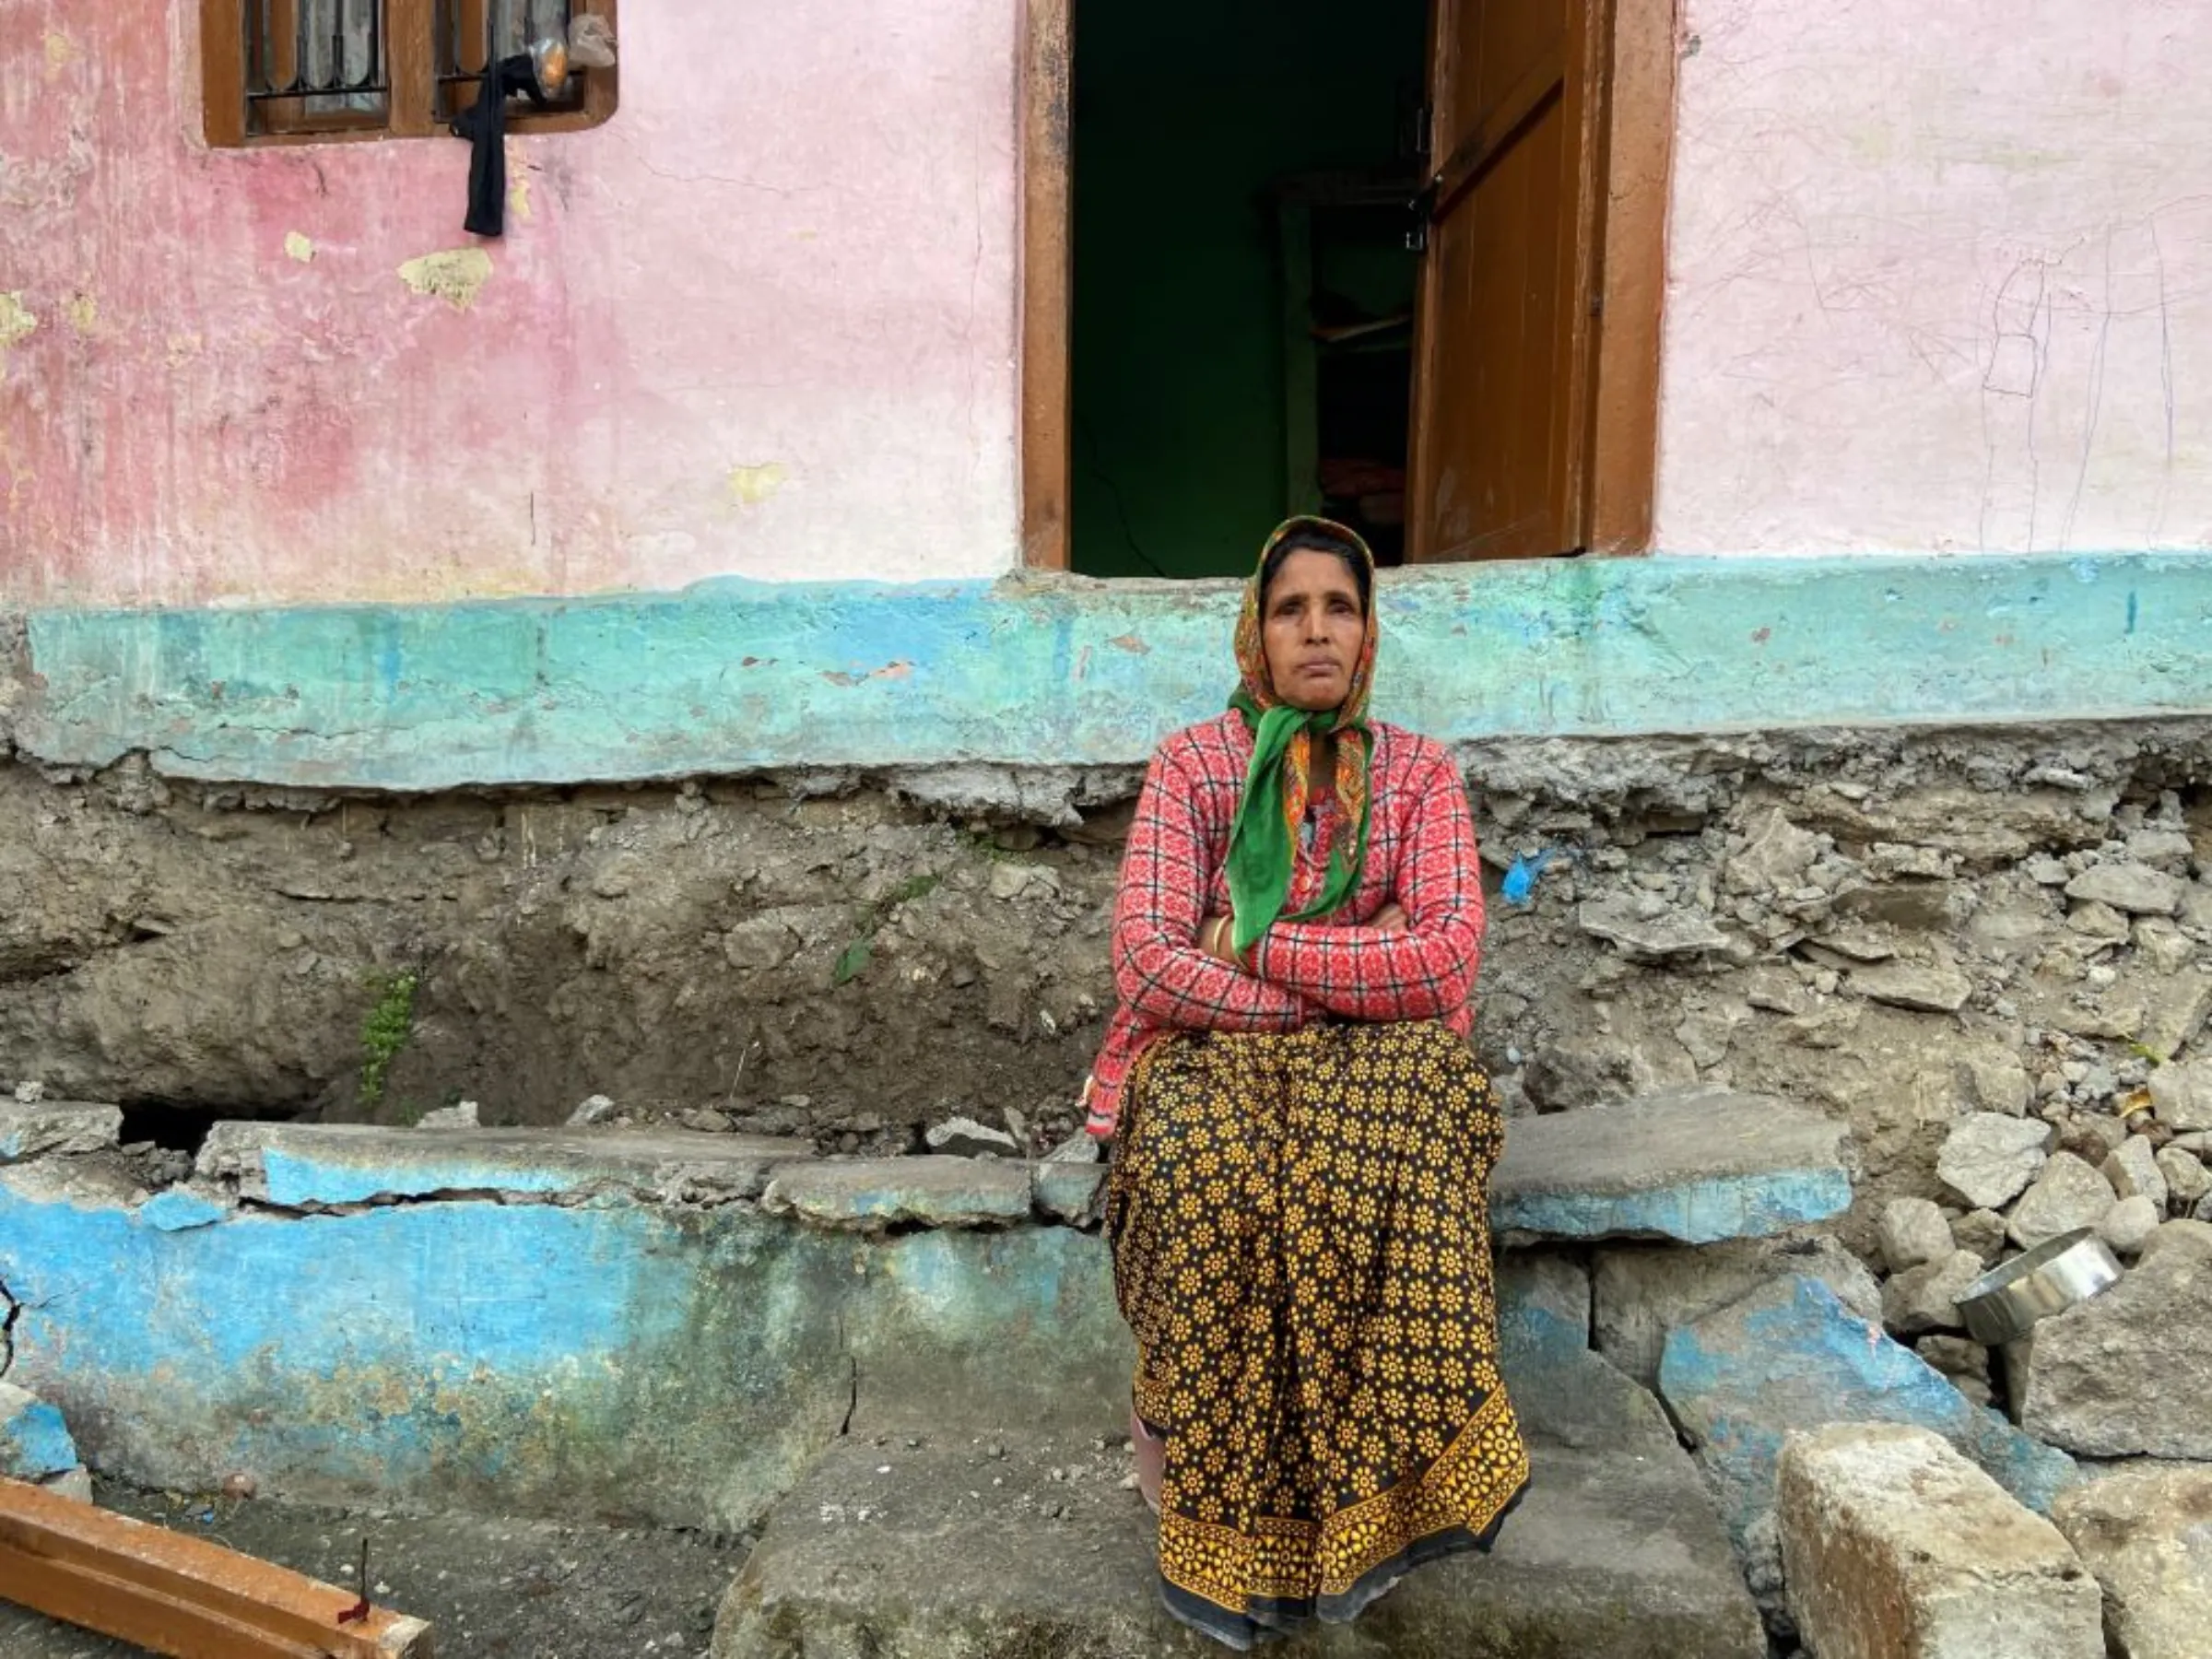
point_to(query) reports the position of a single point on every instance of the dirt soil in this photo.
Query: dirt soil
(494, 1589)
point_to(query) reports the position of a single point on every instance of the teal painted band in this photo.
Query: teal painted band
(737, 675)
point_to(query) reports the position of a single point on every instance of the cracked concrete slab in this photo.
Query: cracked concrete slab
(969, 1545)
(297, 1165)
(1695, 1165)
(55, 1128)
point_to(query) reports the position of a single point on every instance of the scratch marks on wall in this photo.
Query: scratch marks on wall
(2019, 340)
(1924, 295)
(455, 275)
(2080, 423)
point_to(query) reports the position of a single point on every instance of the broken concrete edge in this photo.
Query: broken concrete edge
(1704, 1212)
(35, 1442)
(1697, 1165)
(1661, 770)
(1693, 1166)
(56, 1129)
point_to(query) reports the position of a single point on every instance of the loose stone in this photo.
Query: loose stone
(1989, 1158)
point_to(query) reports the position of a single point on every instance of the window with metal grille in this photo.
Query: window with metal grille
(296, 71)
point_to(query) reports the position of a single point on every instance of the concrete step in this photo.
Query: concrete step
(967, 1547)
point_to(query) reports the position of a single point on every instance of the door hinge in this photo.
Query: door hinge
(1420, 211)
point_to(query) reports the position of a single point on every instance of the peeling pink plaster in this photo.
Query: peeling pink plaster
(795, 246)
(1941, 277)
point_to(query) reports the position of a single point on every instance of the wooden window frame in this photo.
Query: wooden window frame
(411, 105)
(1635, 155)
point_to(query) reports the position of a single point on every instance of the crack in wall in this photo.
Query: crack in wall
(10, 1310)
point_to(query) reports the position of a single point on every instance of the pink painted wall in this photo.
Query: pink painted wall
(762, 323)
(1941, 276)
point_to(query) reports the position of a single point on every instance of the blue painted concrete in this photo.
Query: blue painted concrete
(177, 1209)
(296, 1180)
(1695, 1212)
(34, 1442)
(733, 674)
(673, 1365)
(1792, 1356)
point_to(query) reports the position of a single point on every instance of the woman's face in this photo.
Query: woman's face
(1313, 626)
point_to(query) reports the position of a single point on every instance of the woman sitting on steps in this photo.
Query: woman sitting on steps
(1296, 1208)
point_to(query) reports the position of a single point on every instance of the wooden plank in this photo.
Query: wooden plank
(1639, 151)
(178, 1596)
(223, 71)
(408, 25)
(1574, 340)
(602, 88)
(1047, 279)
(1538, 85)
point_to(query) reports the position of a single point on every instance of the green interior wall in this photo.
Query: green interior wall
(1184, 111)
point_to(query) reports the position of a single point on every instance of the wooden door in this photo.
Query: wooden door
(1504, 359)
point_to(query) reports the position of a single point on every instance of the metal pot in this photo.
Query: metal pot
(2000, 1305)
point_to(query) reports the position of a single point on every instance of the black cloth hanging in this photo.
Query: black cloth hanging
(484, 124)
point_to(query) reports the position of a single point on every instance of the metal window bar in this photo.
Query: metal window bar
(475, 34)
(312, 63)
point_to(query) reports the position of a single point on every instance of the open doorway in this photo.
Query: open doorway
(1402, 265)
(1242, 330)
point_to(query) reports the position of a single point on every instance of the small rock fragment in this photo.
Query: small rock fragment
(2135, 888)
(1981, 1231)
(1670, 933)
(1912, 1233)
(2098, 922)
(964, 1137)
(2186, 1178)
(2168, 850)
(1775, 857)
(1081, 1148)
(2180, 1005)
(1964, 1361)
(2143, 1532)
(2127, 1226)
(74, 1484)
(705, 1120)
(2067, 1193)
(2181, 1095)
(1925, 1297)
(2132, 1168)
(462, 1116)
(1913, 985)
(30, 1093)
(1989, 1158)
(595, 1110)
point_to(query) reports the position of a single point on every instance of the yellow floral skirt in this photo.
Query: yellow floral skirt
(1301, 1246)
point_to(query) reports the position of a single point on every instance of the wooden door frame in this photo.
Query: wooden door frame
(1635, 150)
(1046, 97)
(1635, 159)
